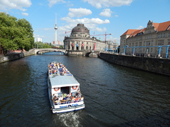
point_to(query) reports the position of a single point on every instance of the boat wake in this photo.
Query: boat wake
(70, 119)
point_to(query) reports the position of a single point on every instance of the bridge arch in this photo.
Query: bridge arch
(50, 50)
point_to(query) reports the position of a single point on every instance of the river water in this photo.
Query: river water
(114, 95)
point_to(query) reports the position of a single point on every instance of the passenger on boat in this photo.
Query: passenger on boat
(62, 74)
(68, 99)
(55, 99)
(52, 65)
(82, 98)
(79, 94)
(64, 95)
(49, 66)
(77, 99)
(55, 71)
(61, 98)
(53, 95)
(50, 72)
(72, 99)
(58, 102)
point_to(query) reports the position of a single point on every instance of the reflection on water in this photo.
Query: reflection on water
(114, 95)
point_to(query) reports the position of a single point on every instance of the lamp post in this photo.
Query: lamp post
(124, 49)
(167, 51)
(159, 51)
(133, 50)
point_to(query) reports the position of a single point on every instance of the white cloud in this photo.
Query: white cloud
(78, 12)
(91, 24)
(114, 39)
(140, 27)
(14, 4)
(116, 15)
(69, 4)
(100, 29)
(26, 14)
(106, 13)
(38, 36)
(108, 3)
(68, 25)
(52, 2)
(63, 29)
(86, 20)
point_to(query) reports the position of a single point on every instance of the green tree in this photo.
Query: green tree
(15, 34)
(42, 45)
(61, 47)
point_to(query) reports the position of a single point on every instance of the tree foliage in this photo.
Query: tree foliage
(15, 33)
(61, 47)
(42, 45)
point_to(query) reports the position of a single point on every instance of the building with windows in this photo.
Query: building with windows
(152, 40)
(80, 41)
(38, 40)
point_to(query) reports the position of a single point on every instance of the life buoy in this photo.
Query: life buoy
(74, 87)
(55, 89)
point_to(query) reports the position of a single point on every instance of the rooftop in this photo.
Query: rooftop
(158, 27)
(63, 81)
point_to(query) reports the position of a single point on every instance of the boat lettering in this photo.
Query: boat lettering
(63, 106)
(74, 104)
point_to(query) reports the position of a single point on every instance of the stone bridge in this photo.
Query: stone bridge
(49, 50)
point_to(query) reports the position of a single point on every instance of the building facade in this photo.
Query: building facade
(80, 41)
(38, 40)
(152, 40)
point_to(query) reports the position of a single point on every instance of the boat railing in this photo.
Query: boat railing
(71, 101)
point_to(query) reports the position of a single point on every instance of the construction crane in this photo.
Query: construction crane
(67, 32)
(101, 34)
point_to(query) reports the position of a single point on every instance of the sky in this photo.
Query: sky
(100, 16)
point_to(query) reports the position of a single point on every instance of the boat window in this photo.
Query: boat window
(59, 94)
(65, 90)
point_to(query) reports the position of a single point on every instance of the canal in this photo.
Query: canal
(114, 95)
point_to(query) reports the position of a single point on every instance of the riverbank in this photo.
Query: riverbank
(15, 56)
(155, 65)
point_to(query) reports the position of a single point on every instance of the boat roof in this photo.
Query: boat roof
(63, 81)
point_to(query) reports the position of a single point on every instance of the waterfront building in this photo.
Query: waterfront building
(38, 39)
(58, 44)
(149, 38)
(80, 41)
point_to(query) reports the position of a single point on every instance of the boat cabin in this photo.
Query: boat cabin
(64, 84)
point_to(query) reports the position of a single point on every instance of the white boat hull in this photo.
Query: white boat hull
(63, 108)
(69, 109)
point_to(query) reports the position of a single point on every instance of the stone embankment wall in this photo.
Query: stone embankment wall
(14, 56)
(155, 65)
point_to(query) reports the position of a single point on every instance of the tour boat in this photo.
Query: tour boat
(63, 89)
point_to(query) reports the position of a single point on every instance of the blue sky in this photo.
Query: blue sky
(99, 16)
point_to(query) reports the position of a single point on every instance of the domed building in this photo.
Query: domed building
(80, 42)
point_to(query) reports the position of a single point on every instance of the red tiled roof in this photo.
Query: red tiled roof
(156, 25)
(134, 33)
(163, 26)
(129, 31)
(142, 30)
